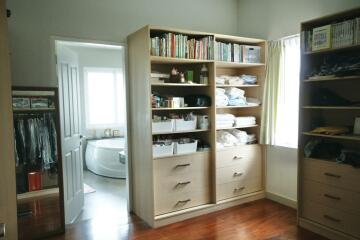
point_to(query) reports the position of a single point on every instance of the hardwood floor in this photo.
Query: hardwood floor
(262, 219)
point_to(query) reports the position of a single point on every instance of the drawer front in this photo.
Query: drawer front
(332, 197)
(182, 183)
(238, 188)
(173, 202)
(244, 170)
(331, 173)
(234, 156)
(181, 165)
(332, 218)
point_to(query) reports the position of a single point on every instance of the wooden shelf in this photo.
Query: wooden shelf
(238, 86)
(179, 85)
(185, 154)
(333, 50)
(247, 106)
(224, 64)
(28, 196)
(321, 79)
(170, 60)
(333, 107)
(343, 137)
(183, 108)
(179, 132)
(239, 127)
(34, 110)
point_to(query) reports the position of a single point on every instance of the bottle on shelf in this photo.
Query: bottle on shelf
(204, 79)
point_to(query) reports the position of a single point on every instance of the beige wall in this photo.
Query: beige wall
(273, 19)
(33, 22)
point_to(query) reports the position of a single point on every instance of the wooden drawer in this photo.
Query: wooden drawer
(233, 156)
(331, 173)
(246, 169)
(182, 183)
(332, 218)
(333, 197)
(237, 188)
(181, 165)
(173, 202)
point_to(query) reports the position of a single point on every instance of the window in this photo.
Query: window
(286, 132)
(104, 98)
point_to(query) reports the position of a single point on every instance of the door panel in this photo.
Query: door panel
(68, 75)
(7, 163)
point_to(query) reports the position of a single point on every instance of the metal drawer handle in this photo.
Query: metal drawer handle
(332, 175)
(332, 218)
(237, 158)
(239, 189)
(332, 197)
(182, 165)
(183, 201)
(236, 174)
(183, 183)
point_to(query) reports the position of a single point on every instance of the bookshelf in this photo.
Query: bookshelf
(152, 202)
(325, 188)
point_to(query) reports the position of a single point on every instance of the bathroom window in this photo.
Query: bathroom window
(104, 98)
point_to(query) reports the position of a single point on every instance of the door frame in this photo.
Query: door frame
(54, 76)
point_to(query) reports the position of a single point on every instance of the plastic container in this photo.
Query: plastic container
(182, 125)
(184, 148)
(163, 150)
(251, 54)
(163, 126)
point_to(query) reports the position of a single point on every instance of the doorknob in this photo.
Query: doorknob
(2, 231)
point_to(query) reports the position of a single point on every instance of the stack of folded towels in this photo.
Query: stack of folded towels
(233, 97)
(225, 120)
(233, 137)
(245, 121)
(236, 80)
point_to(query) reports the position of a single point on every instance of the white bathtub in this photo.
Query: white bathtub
(103, 157)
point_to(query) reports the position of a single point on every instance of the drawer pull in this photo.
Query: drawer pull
(183, 183)
(236, 174)
(237, 158)
(332, 197)
(332, 175)
(239, 189)
(182, 165)
(332, 218)
(183, 201)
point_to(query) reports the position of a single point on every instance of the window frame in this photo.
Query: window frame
(119, 100)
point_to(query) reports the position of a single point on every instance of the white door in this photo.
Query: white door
(8, 218)
(69, 96)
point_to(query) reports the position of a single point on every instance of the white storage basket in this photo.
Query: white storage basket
(184, 148)
(163, 126)
(182, 125)
(163, 150)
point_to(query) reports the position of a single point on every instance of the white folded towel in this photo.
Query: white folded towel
(225, 116)
(234, 92)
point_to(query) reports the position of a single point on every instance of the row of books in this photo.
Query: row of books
(182, 46)
(232, 52)
(337, 35)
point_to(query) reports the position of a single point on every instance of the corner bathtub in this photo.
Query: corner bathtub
(103, 157)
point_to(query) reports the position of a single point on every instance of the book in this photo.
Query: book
(321, 38)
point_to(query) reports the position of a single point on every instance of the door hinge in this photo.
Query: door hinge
(8, 13)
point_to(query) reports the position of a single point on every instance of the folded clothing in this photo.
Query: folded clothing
(221, 100)
(235, 81)
(245, 121)
(253, 101)
(237, 101)
(226, 139)
(234, 137)
(220, 80)
(249, 79)
(224, 117)
(234, 92)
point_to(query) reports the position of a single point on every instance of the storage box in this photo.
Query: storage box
(160, 149)
(21, 102)
(184, 148)
(251, 54)
(163, 126)
(182, 125)
(39, 103)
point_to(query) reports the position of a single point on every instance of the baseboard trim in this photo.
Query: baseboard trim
(162, 221)
(323, 230)
(281, 199)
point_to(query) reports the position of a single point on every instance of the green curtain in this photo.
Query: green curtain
(271, 91)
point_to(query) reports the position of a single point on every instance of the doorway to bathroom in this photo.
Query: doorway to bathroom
(92, 90)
